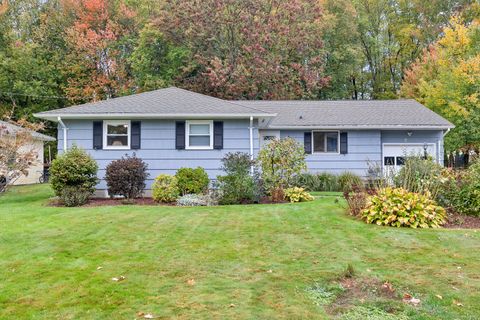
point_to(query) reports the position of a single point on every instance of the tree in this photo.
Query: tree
(17, 151)
(156, 62)
(99, 41)
(447, 80)
(249, 49)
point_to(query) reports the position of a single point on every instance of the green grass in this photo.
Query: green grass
(49, 258)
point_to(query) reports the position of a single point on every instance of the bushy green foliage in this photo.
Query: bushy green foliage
(397, 207)
(420, 175)
(192, 181)
(280, 161)
(322, 181)
(165, 188)
(73, 176)
(461, 192)
(348, 180)
(126, 177)
(297, 194)
(238, 185)
(72, 196)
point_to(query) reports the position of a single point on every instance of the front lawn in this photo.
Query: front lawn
(232, 262)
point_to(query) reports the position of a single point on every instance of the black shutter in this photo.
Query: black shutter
(180, 135)
(97, 135)
(307, 142)
(218, 135)
(343, 142)
(135, 131)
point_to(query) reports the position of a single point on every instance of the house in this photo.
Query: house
(173, 128)
(36, 169)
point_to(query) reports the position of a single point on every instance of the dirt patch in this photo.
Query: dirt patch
(458, 221)
(362, 291)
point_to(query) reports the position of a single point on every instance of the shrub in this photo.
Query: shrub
(348, 180)
(126, 177)
(73, 176)
(72, 196)
(165, 188)
(356, 198)
(461, 191)
(317, 181)
(297, 194)
(399, 208)
(238, 185)
(194, 200)
(280, 161)
(191, 180)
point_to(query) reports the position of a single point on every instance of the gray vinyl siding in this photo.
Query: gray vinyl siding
(364, 147)
(419, 136)
(158, 147)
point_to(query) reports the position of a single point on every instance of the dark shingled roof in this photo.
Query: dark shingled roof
(179, 103)
(349, 114)
(169, 101)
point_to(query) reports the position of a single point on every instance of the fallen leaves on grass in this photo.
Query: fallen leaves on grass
(408, 298)
(145, 315)
(439, 296)
(117, 279)
(457, 303)
(191, 282)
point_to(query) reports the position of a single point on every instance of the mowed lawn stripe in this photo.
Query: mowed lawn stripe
(246, 262)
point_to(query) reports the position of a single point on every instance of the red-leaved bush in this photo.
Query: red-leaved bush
(126, 177)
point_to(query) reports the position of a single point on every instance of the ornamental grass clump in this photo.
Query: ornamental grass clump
(297, 194)
(398, 207)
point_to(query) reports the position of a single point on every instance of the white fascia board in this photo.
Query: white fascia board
(113, 116)
(378, 127)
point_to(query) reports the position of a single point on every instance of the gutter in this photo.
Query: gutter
(65, 135)
(113, 116)
(447, 131)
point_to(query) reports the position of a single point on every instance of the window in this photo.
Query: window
(325, 141)
(199, 134)
(389, 161)
(400, 161)
(116, 134)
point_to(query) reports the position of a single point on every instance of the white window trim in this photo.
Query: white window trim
(325, 143)
(116, 122)
(187, 134)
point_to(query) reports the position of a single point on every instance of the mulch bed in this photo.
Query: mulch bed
(458, 221)
(98, 202)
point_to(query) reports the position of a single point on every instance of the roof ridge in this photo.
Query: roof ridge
(224, 100)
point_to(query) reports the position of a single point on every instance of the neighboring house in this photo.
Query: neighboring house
(36, 169)
(173, 128)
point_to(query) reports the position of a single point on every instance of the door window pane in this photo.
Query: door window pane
(389, 161)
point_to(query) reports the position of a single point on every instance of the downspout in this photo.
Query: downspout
(251, 144)
(64, 127)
